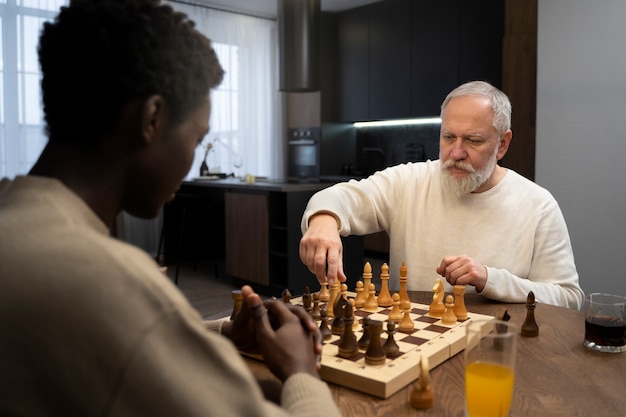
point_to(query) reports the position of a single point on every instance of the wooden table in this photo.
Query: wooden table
(555, 376)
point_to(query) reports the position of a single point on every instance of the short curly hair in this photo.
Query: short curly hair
(99, 54)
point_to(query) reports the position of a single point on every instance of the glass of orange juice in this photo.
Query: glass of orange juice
(490, 354)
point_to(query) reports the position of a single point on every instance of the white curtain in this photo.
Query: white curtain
(21, 119)
(245, 119)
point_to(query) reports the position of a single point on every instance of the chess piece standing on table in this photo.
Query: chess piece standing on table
(360, 298)
(406, 324)
(384, 298)
(459, 303)
(324, 294)
(315, 311)
(390, 347)
(448, 315)
(396, 312)
(367, 275)
(364, 341)
(437, 307)
(286, 296)
(337, 324)
(375, 355)
(423, 396)
(530, 328)
(348, 347)
(371, 304)
(404, 295)
(326, 333)
(306, 300)
(334, 293)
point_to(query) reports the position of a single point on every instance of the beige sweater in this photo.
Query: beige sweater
(90, 327)
(516, 229)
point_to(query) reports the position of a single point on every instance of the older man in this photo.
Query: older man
(462, 217)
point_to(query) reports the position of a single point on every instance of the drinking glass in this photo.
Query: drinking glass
(490, 355)
(605, 322)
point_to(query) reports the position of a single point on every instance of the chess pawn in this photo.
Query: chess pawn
(384, 298)
(404, 295)
(324, 294)
(529, 327)
(390, 347)
(371, 304)
(348, 347)
(306, 300)
(324, 329)
(364, 341)
(459, 303)
(360, 295)
(375, 355)
(237, 303)
(448, 316)
(286, 296)
(315, 311)
(396, 312)
(422, 395)
(406, 324)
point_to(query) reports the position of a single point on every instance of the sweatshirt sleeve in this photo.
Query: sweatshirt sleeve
(552, 277)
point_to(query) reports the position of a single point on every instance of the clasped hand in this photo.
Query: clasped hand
(286, 335)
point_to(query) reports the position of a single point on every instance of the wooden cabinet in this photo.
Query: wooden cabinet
(399, 58)
(389, 59)
(247, 237)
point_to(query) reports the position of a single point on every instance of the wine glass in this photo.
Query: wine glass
(238, 163)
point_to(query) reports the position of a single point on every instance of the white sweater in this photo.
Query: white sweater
(516, 229)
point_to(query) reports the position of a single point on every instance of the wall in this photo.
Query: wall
(581, 141)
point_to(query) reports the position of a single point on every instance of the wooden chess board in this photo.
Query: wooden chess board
(430, 338)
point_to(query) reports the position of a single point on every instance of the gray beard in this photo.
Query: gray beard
(470, 183)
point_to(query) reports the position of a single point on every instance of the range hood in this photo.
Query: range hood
(299, 44)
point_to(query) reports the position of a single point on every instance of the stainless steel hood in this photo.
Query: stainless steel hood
(299, 44)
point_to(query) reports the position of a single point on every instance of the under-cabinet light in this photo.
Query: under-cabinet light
(399, 122)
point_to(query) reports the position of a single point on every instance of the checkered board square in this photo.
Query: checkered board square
(430, 338)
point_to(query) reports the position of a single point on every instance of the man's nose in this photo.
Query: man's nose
(457, 150)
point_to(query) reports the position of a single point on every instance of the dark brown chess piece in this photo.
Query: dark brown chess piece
(326, 333)
(364, 341)
(337, 324)
(348, 347)
(306, 300)
(391, 347)
(286, 296)
(375, 355)
(315, 311)
(530, 328)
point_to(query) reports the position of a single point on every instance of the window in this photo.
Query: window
(244, 123)
(22, 135)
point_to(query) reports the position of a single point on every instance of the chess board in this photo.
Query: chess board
(430, 338)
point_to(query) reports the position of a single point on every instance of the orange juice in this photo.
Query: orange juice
(488, 389)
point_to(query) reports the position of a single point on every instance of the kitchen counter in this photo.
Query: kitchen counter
(260, 184)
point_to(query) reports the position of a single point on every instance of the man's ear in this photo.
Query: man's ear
(505, 141)
(152, 117)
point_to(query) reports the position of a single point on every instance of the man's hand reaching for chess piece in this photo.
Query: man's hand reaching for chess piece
(285, 335)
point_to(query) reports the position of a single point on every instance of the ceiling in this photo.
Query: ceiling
(267, 8)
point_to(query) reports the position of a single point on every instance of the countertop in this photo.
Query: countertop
(260, 184)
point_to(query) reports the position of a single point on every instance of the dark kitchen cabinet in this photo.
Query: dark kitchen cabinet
(389, 59)
(435, 52)
(399, 58)
(353, 56)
